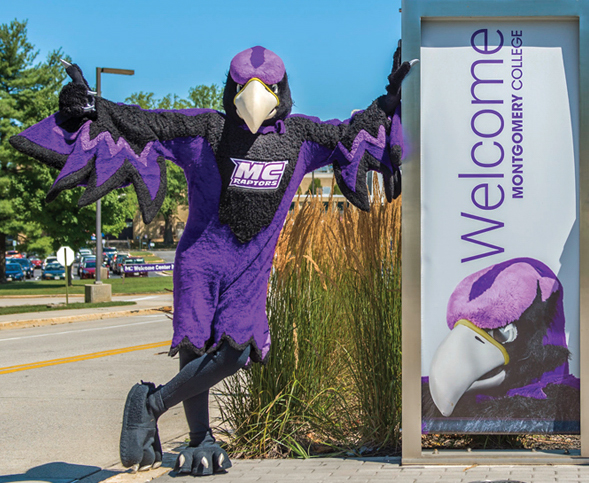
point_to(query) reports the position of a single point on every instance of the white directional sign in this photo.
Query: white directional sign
(65, 254)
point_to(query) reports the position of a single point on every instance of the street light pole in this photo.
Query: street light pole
(99, 71)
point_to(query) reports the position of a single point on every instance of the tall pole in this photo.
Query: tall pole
(98, 270)
(99, 71)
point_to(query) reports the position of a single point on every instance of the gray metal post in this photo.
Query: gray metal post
(98, 241)
(100, 70)
(97, 272)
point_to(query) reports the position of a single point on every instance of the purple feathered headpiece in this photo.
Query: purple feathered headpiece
(257, 62)
(498, 295)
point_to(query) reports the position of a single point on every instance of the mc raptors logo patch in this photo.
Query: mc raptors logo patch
(257, 174)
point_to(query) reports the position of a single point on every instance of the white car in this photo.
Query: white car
(84, 252)
(49, 260)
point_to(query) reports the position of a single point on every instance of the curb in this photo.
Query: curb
(139, 477)
(39, 296)
(78, 295)
(22, 324)
(123, 475)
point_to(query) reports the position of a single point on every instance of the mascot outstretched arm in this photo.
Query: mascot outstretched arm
(243, 168)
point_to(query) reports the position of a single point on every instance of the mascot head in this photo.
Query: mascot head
(257, 90)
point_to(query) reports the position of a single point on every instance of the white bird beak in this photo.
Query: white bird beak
(465, 355)
(255, 103)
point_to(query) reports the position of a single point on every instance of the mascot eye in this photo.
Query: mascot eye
(239, 86)
(505, 334)
(274, 88)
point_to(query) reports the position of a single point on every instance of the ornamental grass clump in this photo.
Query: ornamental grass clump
(332, 379)
(371, 296)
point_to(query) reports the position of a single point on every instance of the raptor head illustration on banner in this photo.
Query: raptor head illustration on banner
(507, 346)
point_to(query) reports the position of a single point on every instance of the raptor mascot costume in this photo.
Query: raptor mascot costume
(243, 169)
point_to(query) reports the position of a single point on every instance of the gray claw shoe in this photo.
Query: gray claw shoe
(204, 459)
(140, 447)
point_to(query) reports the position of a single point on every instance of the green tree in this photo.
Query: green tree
(28, 93)
(315, 187)
(206, 97)
(201, 96)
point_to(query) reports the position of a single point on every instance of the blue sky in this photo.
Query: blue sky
(337, 53)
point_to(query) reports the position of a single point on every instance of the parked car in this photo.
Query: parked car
(109, 259)
(83, 252)
(89, 270)
(36, 262)
(53, 271)
(120, 258)
(26, 265)
(49, 260)
(83, 260)
(109, 254)
(13, 254)
(133, 261)
(14, 271)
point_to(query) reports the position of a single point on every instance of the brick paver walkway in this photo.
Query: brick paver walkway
(334, 470)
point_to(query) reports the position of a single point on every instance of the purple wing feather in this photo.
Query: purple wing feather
(349, 160)
(381, 151)
(100, 164)
(379, 147)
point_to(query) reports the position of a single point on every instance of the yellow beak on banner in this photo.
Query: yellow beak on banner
(461, 360)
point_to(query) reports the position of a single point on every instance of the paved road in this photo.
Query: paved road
(166, 255)
(71, 412)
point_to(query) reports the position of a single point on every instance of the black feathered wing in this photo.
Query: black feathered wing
(381, 152)
(123, 145)
(369, 141)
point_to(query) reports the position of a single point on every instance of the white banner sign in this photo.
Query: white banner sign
(500, 233)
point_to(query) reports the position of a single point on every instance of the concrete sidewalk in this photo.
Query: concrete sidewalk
(360, 470)
(316, 470)
(145, 304)
(388, 469)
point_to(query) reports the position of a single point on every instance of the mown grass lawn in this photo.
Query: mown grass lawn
(120, 286)
(21, 309)
(147, 256)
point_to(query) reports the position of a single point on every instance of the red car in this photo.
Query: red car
(133, 261)
(88, 270)
(36, 263)
(13, 254)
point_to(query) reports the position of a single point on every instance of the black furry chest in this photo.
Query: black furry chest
(255, 173)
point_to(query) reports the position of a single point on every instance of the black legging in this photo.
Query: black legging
(191, 386)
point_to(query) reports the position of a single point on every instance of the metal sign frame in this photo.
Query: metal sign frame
(414, 13)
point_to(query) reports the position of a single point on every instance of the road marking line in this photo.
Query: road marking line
(122, 326)
(83, 357)
(145, 298)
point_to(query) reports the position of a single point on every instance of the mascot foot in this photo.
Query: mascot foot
(203, 460)
(140, 443)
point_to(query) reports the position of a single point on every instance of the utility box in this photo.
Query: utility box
(97, 292)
